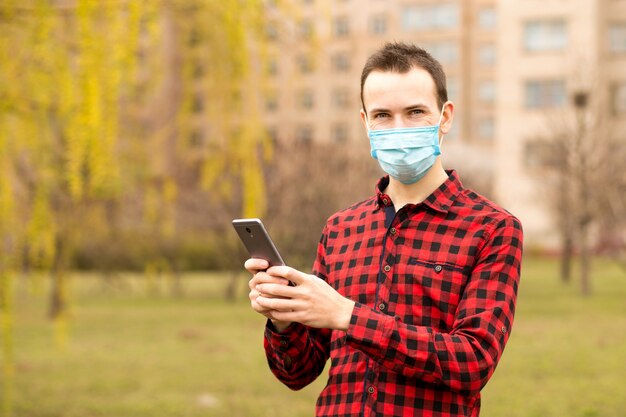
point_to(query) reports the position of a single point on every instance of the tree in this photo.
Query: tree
(74, 78)
(65, 74)
(584, 159)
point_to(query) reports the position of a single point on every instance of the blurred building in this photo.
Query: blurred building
(508, 62)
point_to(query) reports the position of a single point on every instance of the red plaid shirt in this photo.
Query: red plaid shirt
(435, 286)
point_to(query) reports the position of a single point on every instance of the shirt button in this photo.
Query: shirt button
(385, 201)
(371, 390)
(287, 361)
(387, 268)
(284, 342)
(393, 231)
(503, 329)
(382, 306)
(438, 268)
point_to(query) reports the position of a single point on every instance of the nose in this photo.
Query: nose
(399, 121)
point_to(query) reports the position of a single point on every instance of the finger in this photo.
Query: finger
(256, 306)
(276, 290)
(288, 273)
(259, 278)
(254, 265)
(286, 316)
(278, 304)
(265, 278)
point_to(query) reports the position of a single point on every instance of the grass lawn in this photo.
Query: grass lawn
(133, 354)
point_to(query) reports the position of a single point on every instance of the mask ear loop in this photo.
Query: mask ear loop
(367, 126)
(367, 123)
(439, 124)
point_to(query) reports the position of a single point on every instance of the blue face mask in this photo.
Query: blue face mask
(406, 153)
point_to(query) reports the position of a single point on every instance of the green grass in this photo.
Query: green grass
(133, 354)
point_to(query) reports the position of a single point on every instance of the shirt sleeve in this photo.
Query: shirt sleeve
(465, 358)
(297, 356)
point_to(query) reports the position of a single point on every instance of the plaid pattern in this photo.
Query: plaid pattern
(435, 287)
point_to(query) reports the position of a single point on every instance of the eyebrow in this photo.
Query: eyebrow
(420, 106)
(379, 110)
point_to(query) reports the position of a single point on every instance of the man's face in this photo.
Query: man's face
(408, 99)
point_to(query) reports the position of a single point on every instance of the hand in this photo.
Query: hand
(312, 301)
(257, 268)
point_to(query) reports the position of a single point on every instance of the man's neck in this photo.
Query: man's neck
(403, 194)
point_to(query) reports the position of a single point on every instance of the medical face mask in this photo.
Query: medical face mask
(406, 153)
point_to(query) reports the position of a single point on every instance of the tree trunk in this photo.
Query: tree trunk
(585, 260)
(177, 282)
(231, 288)
(567, 255)
(58, 302)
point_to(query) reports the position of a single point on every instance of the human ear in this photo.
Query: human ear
(447, 117)
(364, 118)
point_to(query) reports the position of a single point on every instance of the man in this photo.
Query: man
(413, 290)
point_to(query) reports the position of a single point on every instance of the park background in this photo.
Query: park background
(132, 132)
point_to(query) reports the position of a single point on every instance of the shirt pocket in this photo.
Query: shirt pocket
(432, 292)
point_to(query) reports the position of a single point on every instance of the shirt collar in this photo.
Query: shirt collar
(441, 199)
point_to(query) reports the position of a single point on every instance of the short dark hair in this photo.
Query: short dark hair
(402, 57)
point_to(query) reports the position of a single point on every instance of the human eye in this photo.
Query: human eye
(416, 112)
(381, 115)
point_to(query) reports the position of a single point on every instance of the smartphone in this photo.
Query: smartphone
(257, 241)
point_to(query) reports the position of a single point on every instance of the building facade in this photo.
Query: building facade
(510, 66)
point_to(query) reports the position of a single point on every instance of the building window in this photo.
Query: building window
(341, 26)
(304, 64)
(486, 128)
(487, 91)
(304, 134)
(272, 66)
(271, 101)
(340, 61)
(197, 103)
(619, 98)
(305, 99)
(305, 29)
(194, 37)
(487, 54)
(340, 133)
(487, 18)
(196, 138)
(340, 97)
(378, 24)
(446, 52)
(550, 35)
(197, 70)
(424, 17)
(545, 94)
(617, 37)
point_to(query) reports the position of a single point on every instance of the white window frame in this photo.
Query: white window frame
(617, 37)
(545, 35)
(434, 16)
(544, 94)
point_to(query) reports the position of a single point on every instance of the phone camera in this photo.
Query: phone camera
(248, 230)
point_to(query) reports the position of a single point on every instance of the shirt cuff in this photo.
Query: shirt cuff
(283, 348)
(294, 336)
(368, 328)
